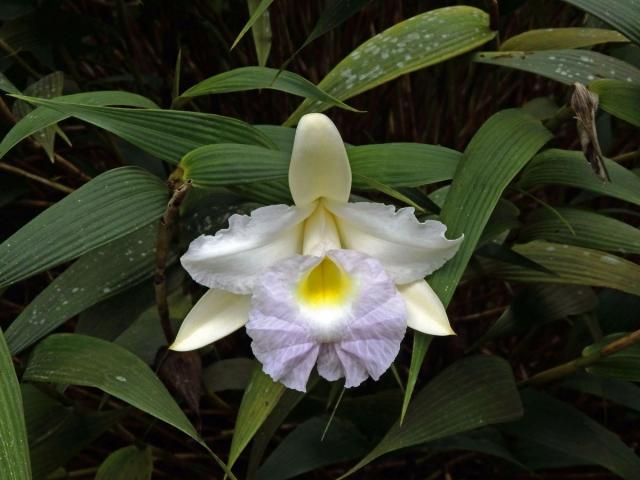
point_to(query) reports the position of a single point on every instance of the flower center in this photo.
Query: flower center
(326, 285)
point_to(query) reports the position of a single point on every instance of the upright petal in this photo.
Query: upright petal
(425, 312)
(319, 163)
(320, 232)
(407, 248)
(216, 315)
(232, 259)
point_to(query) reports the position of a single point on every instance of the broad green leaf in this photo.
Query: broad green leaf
(620, 99)
(14, 449)
(410, 45)
(555, 38)
(166, 134)
(253, 78)
(108, 207)
(576, 265)
(472, 393)
(6, 85)
(496, 153)
(304, 449)
(560, 427)
(43, 117)
(261, 33)
(49, 86)
(259, 399)
(127, 463)
(623, 15)
(229, 374)
(590, 229)
(258, 11)
(97, 275)
(281, 136)
(565, 66)
(623, 393)
(394, 164)
(624, 365)
(73, 359)
(564, 167)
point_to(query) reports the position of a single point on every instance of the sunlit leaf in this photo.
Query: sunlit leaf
(14, 449)
(412, 44)
(106, 208)
(555, 38)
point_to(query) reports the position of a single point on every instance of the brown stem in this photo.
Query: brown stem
(162, 252)
(18, 171)
(561, 371)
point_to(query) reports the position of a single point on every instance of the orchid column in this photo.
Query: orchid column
(324, 282)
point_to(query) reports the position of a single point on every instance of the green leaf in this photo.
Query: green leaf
(49, 86)
(14, 449)
(623, 393)
(472, 393)
(258, 11)
(553, 424)
(624, 15)
(555, 38)
(6, 85)
(127, 463)
(620, 99)
(304, 449)
(394, 164)
(253, 78)
(564, 167)
(166, 134)
(108, 207)
(576, 265)
(410, 45)
(259, 399)
(261, 32)
(507, 141)
(590, 229)
(281, 136)
(43, 117)
(73, 359)
(565, 66)
(624, 364)
(97, 275)
(229, 374)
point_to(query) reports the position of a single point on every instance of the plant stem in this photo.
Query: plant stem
(626, 156)
(50, 183)
(561, 371)
(162, 251)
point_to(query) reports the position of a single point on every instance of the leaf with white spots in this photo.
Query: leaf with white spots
(108, 207)
(415, 43)
(72, 359)
(96, 276)
(569, 264)
(565, 66)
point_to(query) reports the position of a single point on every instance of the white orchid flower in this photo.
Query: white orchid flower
(324, 282)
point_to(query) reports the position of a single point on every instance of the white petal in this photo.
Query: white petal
(358, 338)
(425, 312)
(319, 164)
(407, 248)
(216, 315)
(320, 233)
(233, 258)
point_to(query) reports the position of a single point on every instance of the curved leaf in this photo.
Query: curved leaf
(412, 44)
(260, 9)
(620, 99)
(565, 66)
(553, 38)
(253, 78)
(624, 364)
(623, 15)
(127, 463)
(108, 207)
(14, 448)
(564, 167)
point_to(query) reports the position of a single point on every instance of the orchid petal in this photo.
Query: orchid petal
(425, 311)
(319, 164)
(320, 233)
(356, 335)
(233, 258)
(407, 248)
(216, 315)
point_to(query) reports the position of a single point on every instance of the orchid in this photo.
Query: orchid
(323, 282)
